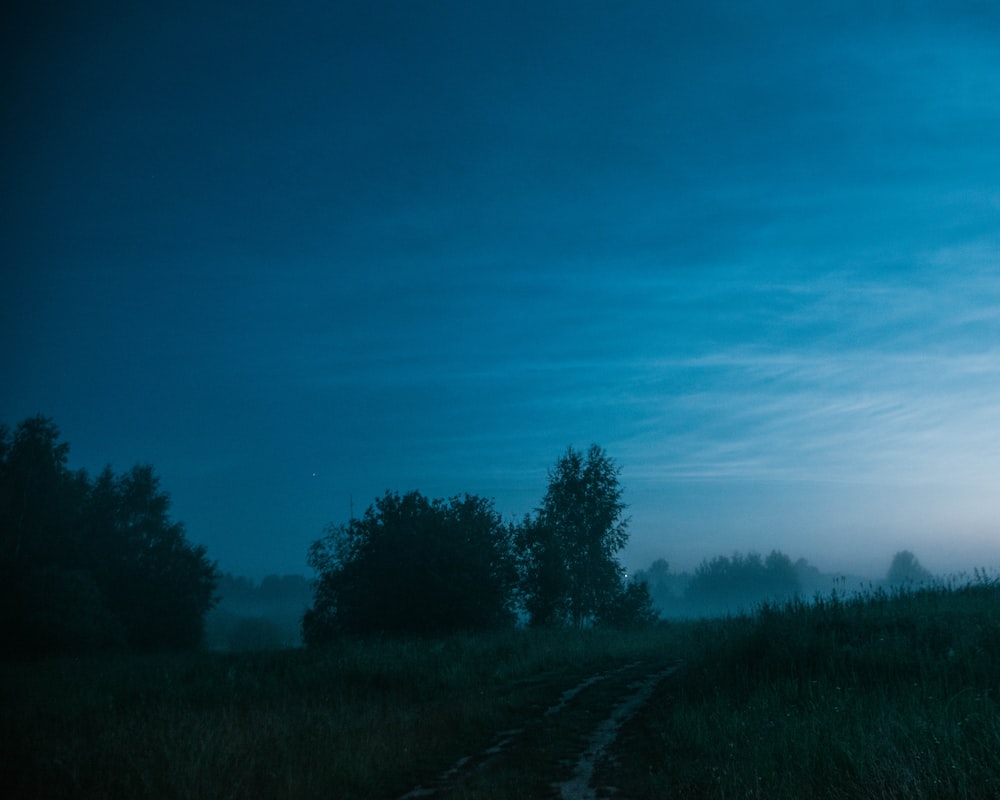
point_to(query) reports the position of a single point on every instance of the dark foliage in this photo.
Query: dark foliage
(545, 583)
(742, 581)
(630, 608)
(413, 565)
(570, 572)
(59, 610)
(906, 569)
(91, 564)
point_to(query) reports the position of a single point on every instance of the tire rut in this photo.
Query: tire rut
(620, 693)
(581, 785)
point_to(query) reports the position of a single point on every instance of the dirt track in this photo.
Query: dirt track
(581, 785)
(564, 741)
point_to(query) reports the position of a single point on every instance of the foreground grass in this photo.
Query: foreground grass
(882, 696)
(362, 719)
(879, 696)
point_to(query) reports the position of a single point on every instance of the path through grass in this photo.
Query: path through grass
(362, 719)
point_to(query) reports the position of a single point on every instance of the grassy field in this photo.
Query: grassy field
(885, 695)
(878, 696)
(363, 719)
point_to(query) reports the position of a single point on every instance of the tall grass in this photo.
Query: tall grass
(890, 694)
(883, 695)
(362, 719)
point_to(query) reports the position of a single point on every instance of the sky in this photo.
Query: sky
(297, 254)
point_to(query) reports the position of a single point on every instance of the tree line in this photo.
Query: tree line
(92, 563)
(741, 582)
(96, 563)
(411, 564)
(258, 615)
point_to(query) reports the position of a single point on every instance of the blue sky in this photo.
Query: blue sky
(296, 254)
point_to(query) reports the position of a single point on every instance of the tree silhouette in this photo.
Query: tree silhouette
(632, 607)
(570, 571)
(91, 564)
(38, 497)
(729, 583)
(906, 569)
(413, 565)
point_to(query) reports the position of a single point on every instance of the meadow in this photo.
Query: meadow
(885, 694)
(365, 718)
(889, 694)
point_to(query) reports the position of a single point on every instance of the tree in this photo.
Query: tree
(37, 501)
(545, 584)
(906, 569)
(62, 612)
(117, 569)
(568, 551)
(413, 565)
(159, 584)
(632, 607)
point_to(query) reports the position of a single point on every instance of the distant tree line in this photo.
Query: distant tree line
(741, 582)
(728, 582)
(258, 615)
(412, 564)
(91, 563)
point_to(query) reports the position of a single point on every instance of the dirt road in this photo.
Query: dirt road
(561, 751)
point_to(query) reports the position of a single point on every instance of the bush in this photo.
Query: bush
(413, 565)
(633, 608)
